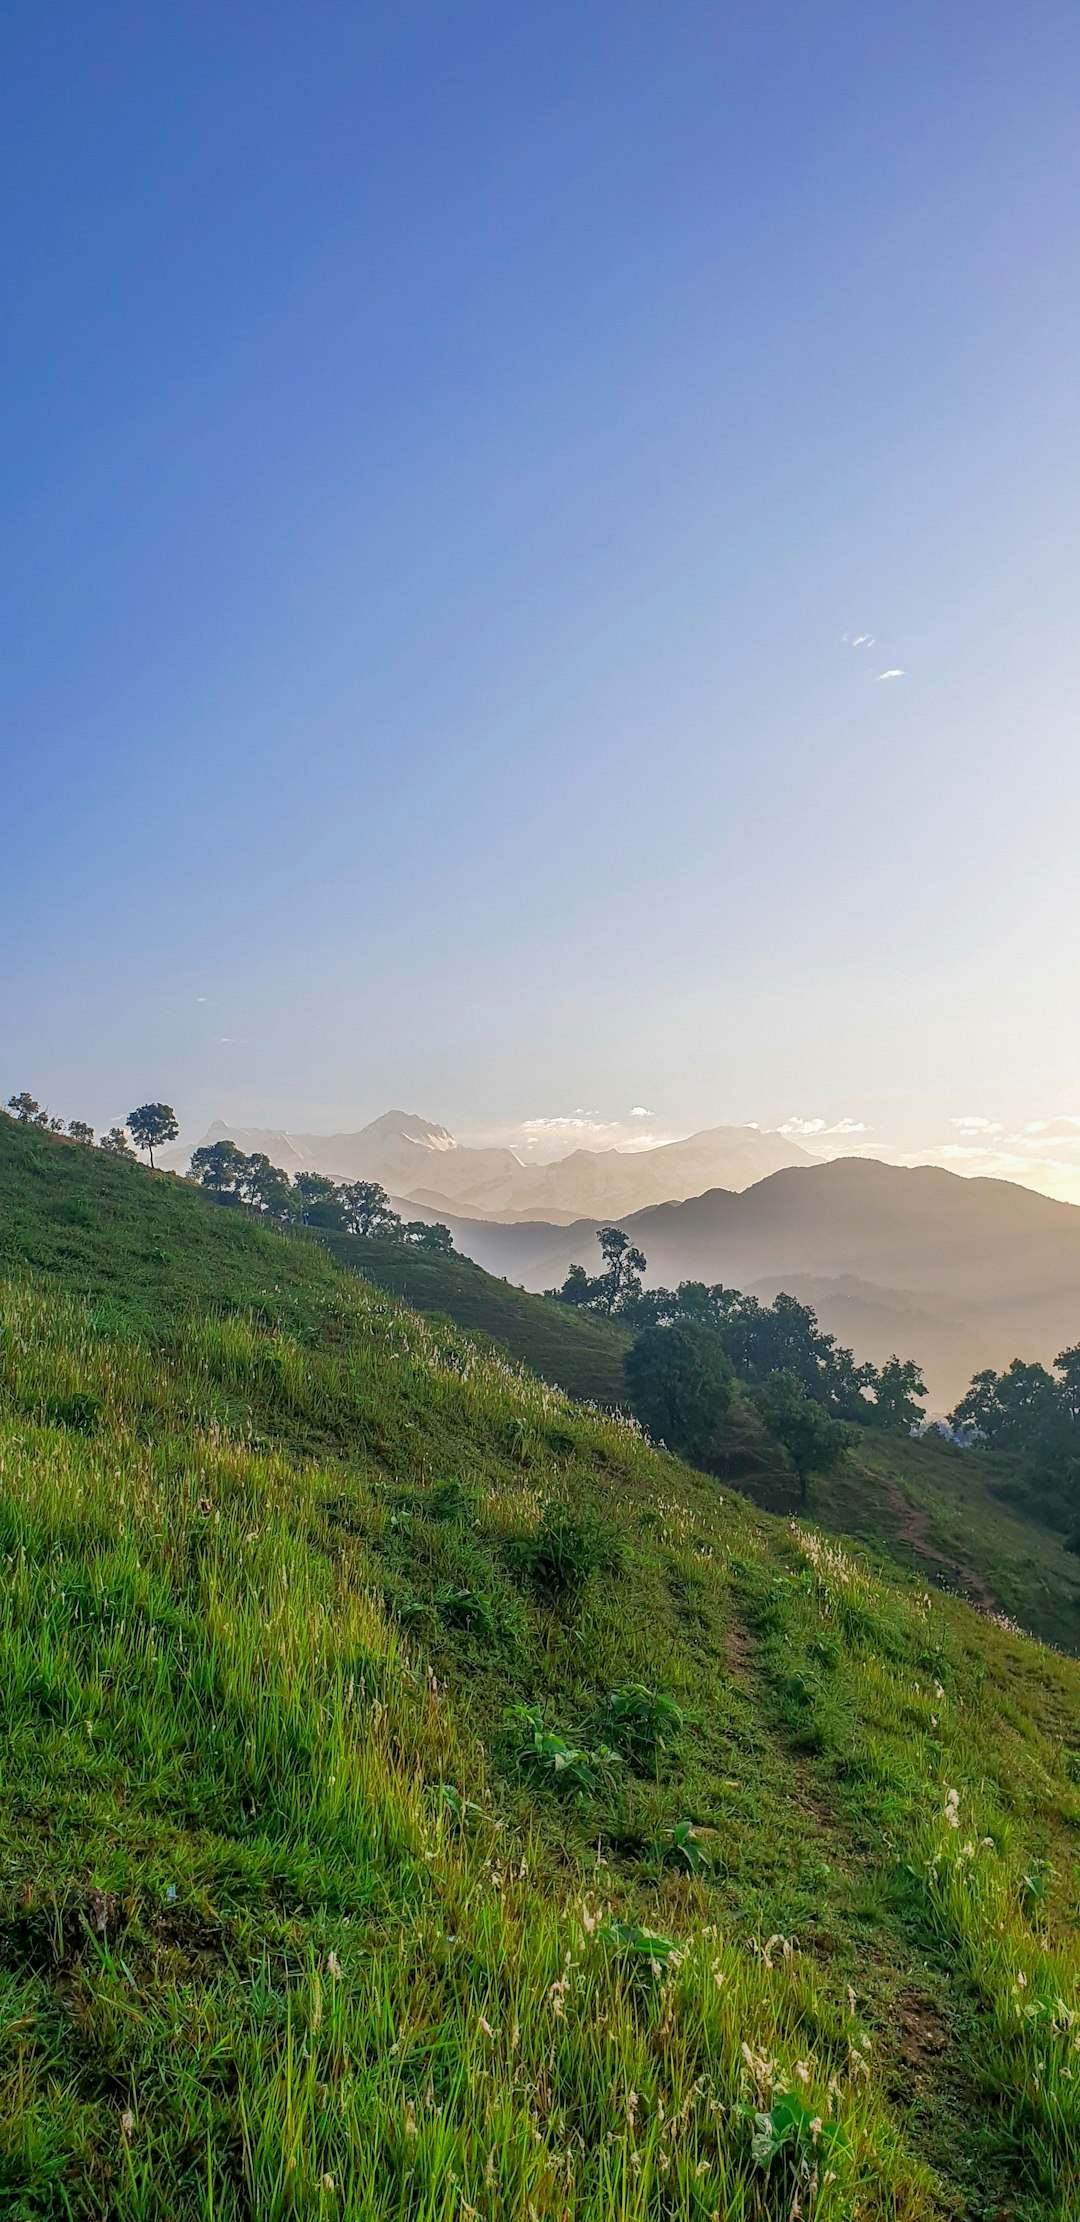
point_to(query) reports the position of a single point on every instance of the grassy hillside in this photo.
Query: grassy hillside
(572, 1349)
(357, 1860)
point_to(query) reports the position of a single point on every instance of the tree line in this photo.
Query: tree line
(692, 1344)
(359, 1207)
(1032, 1412)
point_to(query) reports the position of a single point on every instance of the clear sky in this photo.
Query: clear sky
(451, 453)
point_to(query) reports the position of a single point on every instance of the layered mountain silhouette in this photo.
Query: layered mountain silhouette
(958, 1273)
(422, 1163)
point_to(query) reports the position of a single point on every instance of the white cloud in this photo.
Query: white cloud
(857, 640)
(890, 675)
(975, 1125)
(799, 1128)
(638, 1111)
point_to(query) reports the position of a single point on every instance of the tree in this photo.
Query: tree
(577, 1289)
(625, 1266)
(115, 1143)
(27, 1110)
(1014, 1409)
(266, 1188)
(78, 1131)
(368, 1210)
(813, 1441)
(679, 1383)
(898, 1392)
(436, 1237)
(320, 1202)
(616, 1290)
(152, 1125)
(219, 1166)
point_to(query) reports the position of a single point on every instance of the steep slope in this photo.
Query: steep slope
(301, 1916)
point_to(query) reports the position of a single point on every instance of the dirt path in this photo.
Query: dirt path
(911, 1526)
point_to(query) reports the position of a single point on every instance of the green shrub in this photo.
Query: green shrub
(641, 1723)
(468, 1609)
(449, 1501)
(548, 1762)
(81, 1413)
(562, 1555)
(682, 1847)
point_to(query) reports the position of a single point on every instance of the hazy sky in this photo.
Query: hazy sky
(452, 456)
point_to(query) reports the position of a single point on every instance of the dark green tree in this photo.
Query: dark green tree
(813, 1440)
(27, 1110)
(436, 1237)
(320, 1202)
(219, 1166)
(78, 1131)
(899, 1395)
(618, 1288)
(368, 1210)
(679, 1382)
(151, 1126)
(115, 1143)
(266, 1188)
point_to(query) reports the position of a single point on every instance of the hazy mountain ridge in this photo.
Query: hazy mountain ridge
(422, 1162)
(955, 1272)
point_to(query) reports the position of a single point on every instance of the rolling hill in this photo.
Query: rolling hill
(420, 1797)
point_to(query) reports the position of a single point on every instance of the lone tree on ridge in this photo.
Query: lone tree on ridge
(151, 1125)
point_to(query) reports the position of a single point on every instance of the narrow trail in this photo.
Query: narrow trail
(911, 1526)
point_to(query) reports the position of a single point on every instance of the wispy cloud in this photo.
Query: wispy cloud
(890, 675)
(857, 640)
(800, 1129)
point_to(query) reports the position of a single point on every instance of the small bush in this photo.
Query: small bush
(468, 1609)
(81, 1413)
(682, 1847)
(641, 1723)
(548, 1762)
(562, 1555)
(449, 1501)
(642, 1951)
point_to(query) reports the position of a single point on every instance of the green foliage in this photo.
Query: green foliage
(151, 1126)
(814, 1442)
(682, 1847)
(562, 1554)
(618, 1288)
(81, 1413)
(641, 1723)
(791, 2132)
(679, 1382)
(899, 1396)
(548, 1762)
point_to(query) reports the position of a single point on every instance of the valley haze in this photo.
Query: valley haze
(957, 1272)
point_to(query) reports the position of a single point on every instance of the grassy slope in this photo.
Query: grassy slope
(257, 1964)
(571, 1349)
(933, 1508)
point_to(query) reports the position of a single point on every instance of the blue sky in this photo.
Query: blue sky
(449, 453)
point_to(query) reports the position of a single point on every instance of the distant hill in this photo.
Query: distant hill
(954, 1272)
(423, 1163)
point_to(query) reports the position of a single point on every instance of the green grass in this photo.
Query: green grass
(298, 1914)
(572, 1349)
(933, 1508)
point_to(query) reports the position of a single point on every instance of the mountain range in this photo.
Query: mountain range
(955, 1272)
(419, 1162)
